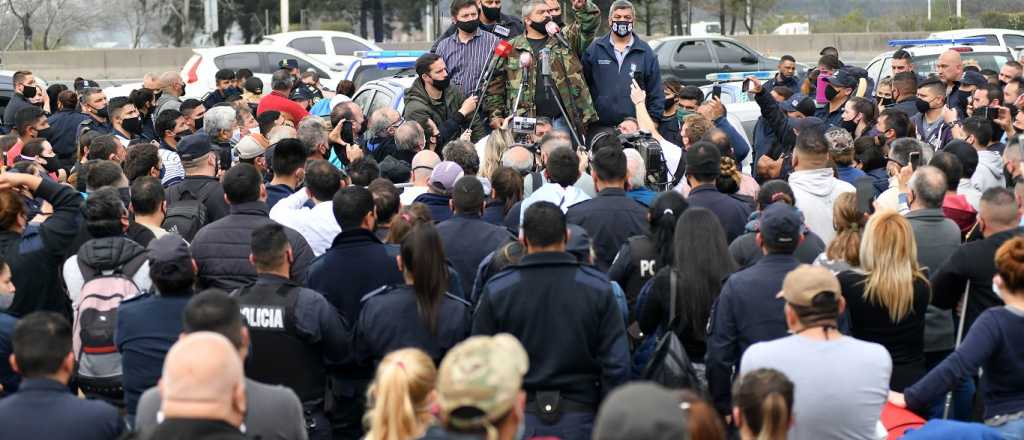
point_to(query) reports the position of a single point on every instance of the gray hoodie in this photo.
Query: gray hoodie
(989, 173)
(816, 191)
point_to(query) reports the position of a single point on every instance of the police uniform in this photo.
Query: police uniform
(295, 335)
(390, 320)
(635, 264)
(91, 124)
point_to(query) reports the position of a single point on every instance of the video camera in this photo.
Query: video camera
(650, 150)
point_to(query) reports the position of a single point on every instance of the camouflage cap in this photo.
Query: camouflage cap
(484, 373)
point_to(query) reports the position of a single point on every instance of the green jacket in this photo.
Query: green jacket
(419, 107)
(566, 72)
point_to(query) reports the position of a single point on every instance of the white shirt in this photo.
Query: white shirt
(410, 193)
(554, 193)
(671, 153)
(317, 225)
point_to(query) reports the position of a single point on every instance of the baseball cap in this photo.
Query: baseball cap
(249, 148)
(703, 158)
(254, 85)
(170, 248)
(288, 63)
(642, 411)
(194, 146)
(809, 123)
(82, 83)
(798, 103)
(805, 282)
(397, 171)
(842, 78)
(301, 94)
(444, 176)
(972, 78)
(482, 377)
(781, 224)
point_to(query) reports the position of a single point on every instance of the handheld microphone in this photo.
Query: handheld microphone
(501, 50)
(545, 65)
(556, 32)
(525, 61)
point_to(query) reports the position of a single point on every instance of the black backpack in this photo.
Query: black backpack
(187, 215)
(669, 366)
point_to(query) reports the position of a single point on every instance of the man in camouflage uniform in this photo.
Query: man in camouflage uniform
(479, 390)
(566, 70)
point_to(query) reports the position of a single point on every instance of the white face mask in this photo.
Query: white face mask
(236, 136)
(5, 300)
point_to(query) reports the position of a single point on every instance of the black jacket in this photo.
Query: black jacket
(467, 240)
(566, 317)
(356, 264)
(35, 257)
(222, 248)
(610, 219)
(438, 205)
(390, 320)
(44, 408)
(109, 252)
(16, 103)
(973, 264)
(189, 429)
(731, 212)
(63, 134)
(216, 207)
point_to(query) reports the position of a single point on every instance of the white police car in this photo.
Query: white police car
(926, 53)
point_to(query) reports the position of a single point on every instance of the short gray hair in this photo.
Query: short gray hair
(929, 184)
(379, 120)
(312, 132)
(218, 119)
(409, 136)
(529, 6)
(621, 4)
(520, 164)
(901, 148)
(282, 80)
(636, 167)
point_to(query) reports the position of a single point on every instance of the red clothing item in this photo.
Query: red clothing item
(956, 207)
(14, 153)
(280, 102)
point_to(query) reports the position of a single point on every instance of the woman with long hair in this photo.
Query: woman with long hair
(497, 143)
(506, 191)
(400, 397)
(992, 344)
(700, 264)
(762, 405)
(405, 220)
(421, 313)
(746, 251)
(843, 253)
(887, 295)
(641, 256)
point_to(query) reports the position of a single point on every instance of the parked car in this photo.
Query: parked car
(382, 64)
(925, 57)
(1012, 40)
(198, 73)
(384, 92)
(690, 59)
(336, 49)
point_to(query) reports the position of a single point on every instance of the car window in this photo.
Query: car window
(274, 59)
(346, 46)
(1014, 41)
(887, 67)
(241, 60)
(875, 70)
(363, 97)
(382, 99)
(993, 61)
(310, 45)
(693, 52)
(729, 52)
(365, 74)
(991, 40)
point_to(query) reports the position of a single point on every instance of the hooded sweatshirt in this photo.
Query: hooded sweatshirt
(816, 191)
(989, 173)
(105, 254)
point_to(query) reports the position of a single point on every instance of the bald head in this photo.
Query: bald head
(950, 66)
(423, 164)
(409, 137)
(203, 376)
(151, 81)
(280, 133)
(518, 158)
(169, 82)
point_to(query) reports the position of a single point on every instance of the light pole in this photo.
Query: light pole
(284, 16)
(929, 10)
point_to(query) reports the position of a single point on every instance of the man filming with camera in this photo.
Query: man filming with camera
(663, 159)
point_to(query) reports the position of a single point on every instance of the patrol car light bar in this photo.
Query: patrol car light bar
(739, 76)
(385, 65)
(937, 41)
(389, 53)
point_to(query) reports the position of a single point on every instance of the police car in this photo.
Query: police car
(926, 55)
(336, 49)
(379, 64)
(263, 60)
(1013, 40)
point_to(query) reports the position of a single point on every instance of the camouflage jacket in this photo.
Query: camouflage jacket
(566, 72)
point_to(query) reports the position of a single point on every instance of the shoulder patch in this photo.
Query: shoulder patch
(139, 297)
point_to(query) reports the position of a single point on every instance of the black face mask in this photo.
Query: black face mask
(44, 133)
(199, 124)
(492, 14)
(102, 112)
(558, 20)
(885, 102)
(29, 92)
(831, 92)
(51, 165)
(132, 125)
(539, 26)
(922, 105)
(441, 84)
(181, 134)
(669, 102)
(468, 26)
(850, 126)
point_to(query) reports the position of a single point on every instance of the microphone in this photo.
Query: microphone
(501, 50)
(556, 32)
(525, 61)
(545, 65)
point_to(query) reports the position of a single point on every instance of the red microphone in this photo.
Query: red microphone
(503, 49)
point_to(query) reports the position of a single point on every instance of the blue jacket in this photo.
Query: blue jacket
(567, 319)
(792, 82)
(731, 212)
(63, 132)
(45, 408)
(609, 82)
(849, 174)
(356, 264)
(467, 240)
(740, 147)
(390, 320)
(438, 205)
(8, 378)
(831, 119)
(610, 219)
(642, 195)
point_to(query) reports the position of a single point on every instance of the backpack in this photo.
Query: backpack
(98, 368)
(187, 215)
(669, 366)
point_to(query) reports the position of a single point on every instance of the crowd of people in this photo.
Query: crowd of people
(283, 265)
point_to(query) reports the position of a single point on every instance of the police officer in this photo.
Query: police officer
(225, 88)
(296, 334)
(566, 317)
(94, 104)
(566, 71)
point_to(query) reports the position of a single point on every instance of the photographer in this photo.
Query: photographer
(671, 154)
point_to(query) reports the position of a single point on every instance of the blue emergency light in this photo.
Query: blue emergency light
(739, 76)
(937, 41)
(404, 64)
(390, 53)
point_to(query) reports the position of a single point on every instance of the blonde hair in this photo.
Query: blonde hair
(497, 144)
(888, 254)
(399, 397)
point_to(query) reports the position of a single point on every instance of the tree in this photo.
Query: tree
(23, 11)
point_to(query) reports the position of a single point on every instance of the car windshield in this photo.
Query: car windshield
(925, 64)
(366, 74)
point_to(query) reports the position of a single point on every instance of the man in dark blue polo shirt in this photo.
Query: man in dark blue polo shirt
(149, 324)
(44, 407)
(702, 170)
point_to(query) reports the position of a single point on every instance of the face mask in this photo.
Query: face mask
(850, 126)
(831, 92)
(539, 26)
(669, 102)
(45, 133)
(181, 134)
(157, 95)
(232, 91)
(126, 196)
(922, 105)
(199, 124)
(6, 299)
(622, 28)
(236, 136)
(29, 92)
(492, 14)
(102, 112)
(558, 20)
(132, 125)
(468, 26)
(441, 84)
(51, 165)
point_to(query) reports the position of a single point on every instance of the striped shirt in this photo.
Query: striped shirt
(466, 61)
(173, 170)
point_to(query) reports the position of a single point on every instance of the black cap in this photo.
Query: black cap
(703, 158)
(842, 78)
(642, 411)
(397, 171)
(972, 78)
(254, 85)
(288, 63)
(302, 94)
(194, 146)
(780, 224)
(170, 248)
(82, 84)
(799, 103)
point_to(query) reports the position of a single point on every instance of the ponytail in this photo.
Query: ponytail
(764, 397)
(423, 256)
(664, 214)
(774, 417)
(398, 396)
(729, 179)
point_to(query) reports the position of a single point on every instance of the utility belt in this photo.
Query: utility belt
(1003, 419)
(549, 406)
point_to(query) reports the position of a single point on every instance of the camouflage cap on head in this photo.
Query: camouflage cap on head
(484, 373)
